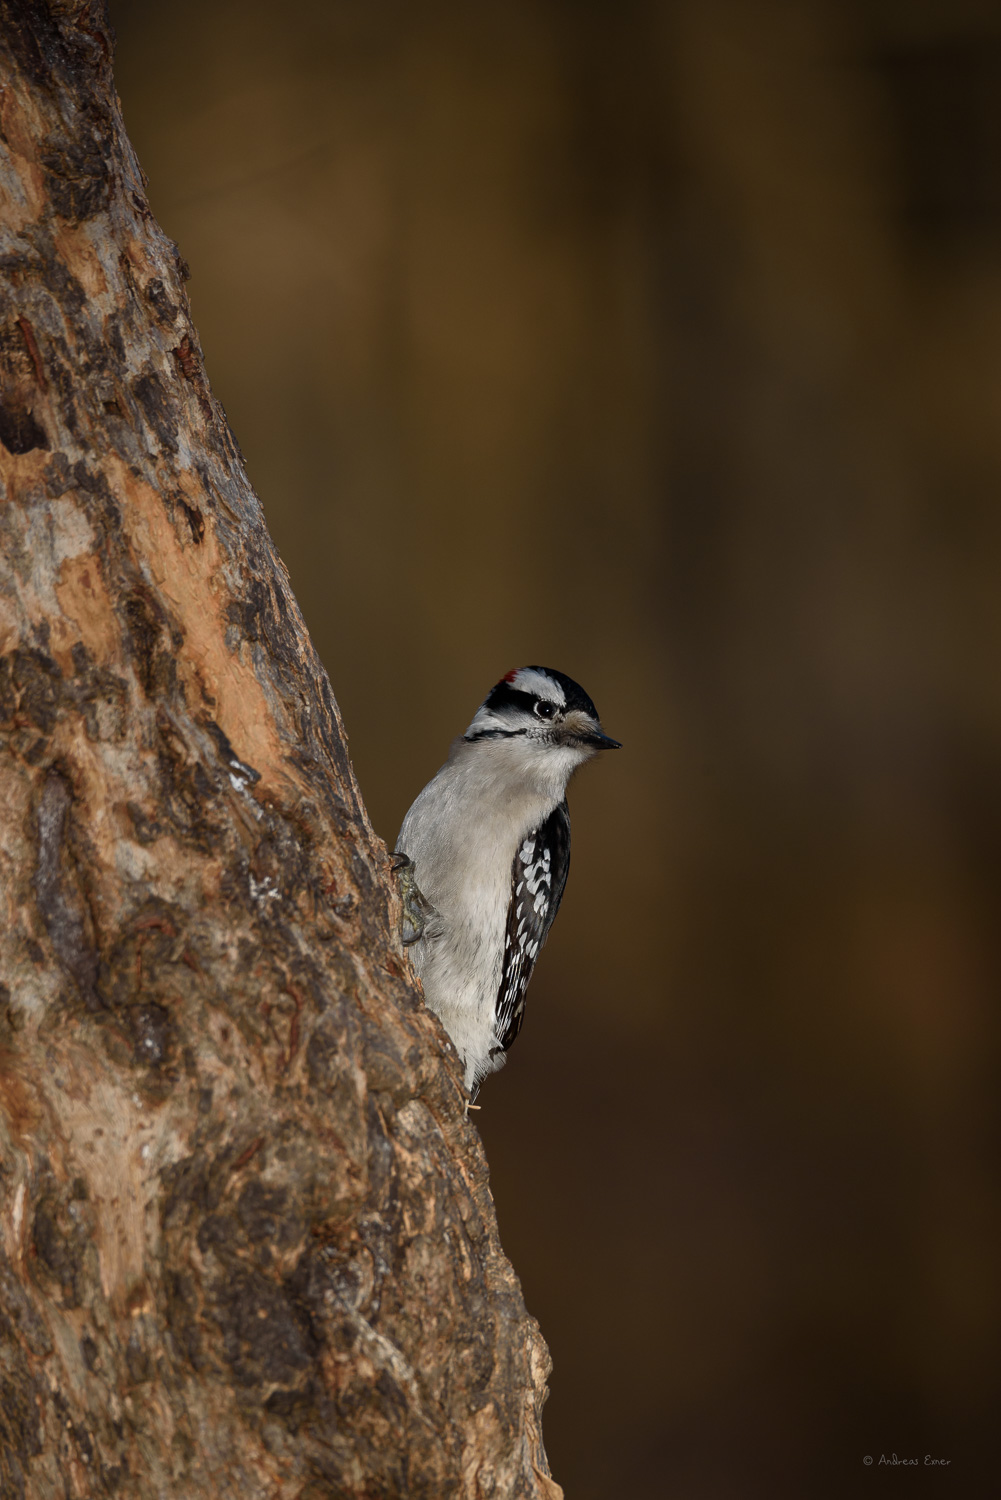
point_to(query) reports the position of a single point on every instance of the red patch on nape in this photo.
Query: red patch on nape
(510, 676)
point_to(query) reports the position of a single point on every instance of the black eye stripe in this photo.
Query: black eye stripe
(505, 696)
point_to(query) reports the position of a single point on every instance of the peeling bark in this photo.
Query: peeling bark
(247, 1245)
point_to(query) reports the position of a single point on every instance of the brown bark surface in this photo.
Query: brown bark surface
(247, 1245)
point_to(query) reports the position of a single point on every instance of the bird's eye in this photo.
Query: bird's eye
(545, 710)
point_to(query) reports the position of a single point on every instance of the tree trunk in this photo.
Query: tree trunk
(246, 1241)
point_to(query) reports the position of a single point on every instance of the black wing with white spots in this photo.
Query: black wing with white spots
(538, 876)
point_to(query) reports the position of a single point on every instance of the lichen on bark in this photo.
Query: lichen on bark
(247, 1245)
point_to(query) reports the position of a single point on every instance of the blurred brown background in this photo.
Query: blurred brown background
(661, 343)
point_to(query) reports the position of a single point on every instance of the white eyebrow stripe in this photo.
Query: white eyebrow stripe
(539, 685)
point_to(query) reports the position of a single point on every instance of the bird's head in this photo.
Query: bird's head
(544, 717)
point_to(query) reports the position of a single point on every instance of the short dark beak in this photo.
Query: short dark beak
(602, 741)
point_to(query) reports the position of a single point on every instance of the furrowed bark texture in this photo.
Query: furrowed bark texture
(246, 1241)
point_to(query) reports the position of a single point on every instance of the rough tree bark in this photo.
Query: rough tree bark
(246, 1241)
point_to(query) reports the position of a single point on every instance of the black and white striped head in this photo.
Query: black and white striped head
(543, 709)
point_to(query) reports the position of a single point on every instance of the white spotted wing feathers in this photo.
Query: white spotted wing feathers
(538, 875)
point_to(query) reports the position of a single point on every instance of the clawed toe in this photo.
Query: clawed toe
(417, 909)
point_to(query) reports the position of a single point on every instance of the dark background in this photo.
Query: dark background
(661, 343)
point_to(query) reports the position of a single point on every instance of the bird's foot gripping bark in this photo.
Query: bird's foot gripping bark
(417, 909)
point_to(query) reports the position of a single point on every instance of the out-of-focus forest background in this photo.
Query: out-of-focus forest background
(661, 343)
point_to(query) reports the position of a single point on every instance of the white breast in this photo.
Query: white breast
(462, 834)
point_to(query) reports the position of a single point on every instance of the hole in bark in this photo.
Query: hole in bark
(195, 520)
(19, 431)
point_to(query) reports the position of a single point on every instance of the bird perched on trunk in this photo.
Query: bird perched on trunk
(483, 856)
